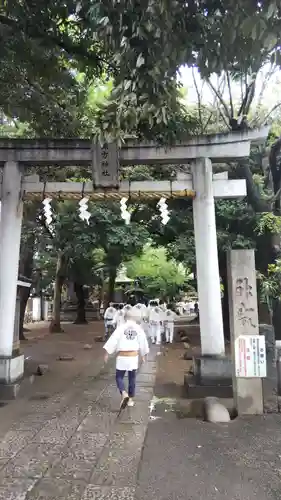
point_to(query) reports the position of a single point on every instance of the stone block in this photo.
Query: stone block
(16, 488)
(65, 357)
(32, 461)
(53, 489)
(214, 411)
(9, 391)
(117, 467)
(42, 369)
(13, 441)
(195, 391)
(243, 315)
(212, 370)
(93, 492)
(85, 446)
(11, 369)
(71, 468)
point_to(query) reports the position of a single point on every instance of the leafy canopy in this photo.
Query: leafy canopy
(159, 276)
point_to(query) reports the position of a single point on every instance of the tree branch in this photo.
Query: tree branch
(198, 100)
(268, 75)
(250, 97)
(219, 98)
(275, 197)
(258, 204)
(230, 94)
(271, 111)
(207, 122)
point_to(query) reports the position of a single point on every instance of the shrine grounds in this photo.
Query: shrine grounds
(61, 439)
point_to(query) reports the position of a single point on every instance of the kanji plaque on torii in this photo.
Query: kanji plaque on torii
(105, 165)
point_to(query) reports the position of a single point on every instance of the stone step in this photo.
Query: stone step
(196, 391)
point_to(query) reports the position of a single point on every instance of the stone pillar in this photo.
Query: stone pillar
(10, 233)
(243, 312)
(207, 266)
(71, 295)
(36, 308)
(46, 307)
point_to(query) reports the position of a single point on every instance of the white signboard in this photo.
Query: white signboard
(250, 356)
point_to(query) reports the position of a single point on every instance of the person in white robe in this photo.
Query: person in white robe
(169, 323)
(128, 342)
(109, 320)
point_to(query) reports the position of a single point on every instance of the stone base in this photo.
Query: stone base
(9, 391)
(197, 391)
(212, 370)
(11, 369)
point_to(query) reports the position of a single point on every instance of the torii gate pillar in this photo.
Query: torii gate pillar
(11, 367)
(208, 277)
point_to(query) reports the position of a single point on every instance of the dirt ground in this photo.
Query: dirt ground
(80, 350)
(44, 348)
(80, 345)
(171, 366)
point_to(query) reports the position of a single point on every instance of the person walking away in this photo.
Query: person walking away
(128, 342)
(109, 320)
(196, 310)
(162, 307)
(119, 316)
(151, 305)
(126, 308)
(144, 320)
(170, 317)
(155, 318)
(142, 313)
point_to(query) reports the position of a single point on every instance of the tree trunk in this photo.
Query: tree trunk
(225, 300)
(275, 169)
(81, 313)
(55, 326)
(268, 248)
(24, 296)
(111, 284)
(25, 269)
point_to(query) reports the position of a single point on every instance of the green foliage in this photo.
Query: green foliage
(268, 222)
(118, 240)
(270, 284)
(43, 45)
(235, 225)
(90, 251)
(240, 35)
(235, 220)
(151, 41)
(159, 276)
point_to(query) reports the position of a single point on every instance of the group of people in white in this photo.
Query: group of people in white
(157, 320)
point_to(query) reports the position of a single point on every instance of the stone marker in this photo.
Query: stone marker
(88, 346)
(214, 411)
(65, 357)
(243, 315)
(42, 369)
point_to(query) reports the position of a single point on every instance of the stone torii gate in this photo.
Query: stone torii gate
(201, 184)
